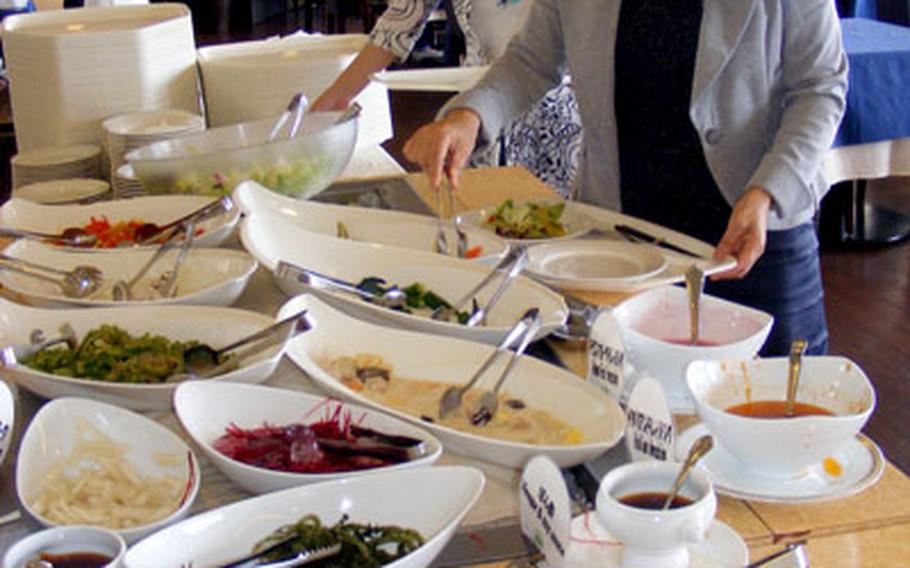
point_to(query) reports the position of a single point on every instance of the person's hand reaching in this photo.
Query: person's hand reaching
(746, 233)
(444, 146)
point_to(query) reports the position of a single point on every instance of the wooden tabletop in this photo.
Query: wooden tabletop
(871, 529)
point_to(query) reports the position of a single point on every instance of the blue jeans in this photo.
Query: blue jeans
(785, 282)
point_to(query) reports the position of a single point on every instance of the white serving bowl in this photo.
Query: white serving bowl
(51, 437)
(452, 361)
(272, 238)
(215, 326)
(781, 447)
(649, 321)
(431, 500)
(162, 209)
(7, 419)
(206, 409)
(67, 540)
(381, 226)
(208, 276)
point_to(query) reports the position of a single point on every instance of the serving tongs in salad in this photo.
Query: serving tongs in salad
(523, 332)
(393, 298)
(509, 267)
(79, 282)
(12, 355)
(300, 558)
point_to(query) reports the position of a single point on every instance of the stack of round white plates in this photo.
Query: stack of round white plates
(57, 162)
(72, 69)
(64, 191)
(127, 132)
(125, 182)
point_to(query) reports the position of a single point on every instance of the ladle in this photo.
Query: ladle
(148, 231)
(695, 283)
(72, 236)
(701, 447)
(797, 348)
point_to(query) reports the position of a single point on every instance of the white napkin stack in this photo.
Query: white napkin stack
(254, 80)
(71, 69)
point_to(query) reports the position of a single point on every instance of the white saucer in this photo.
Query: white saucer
(722, 547)
(594, 265)
(860, 459)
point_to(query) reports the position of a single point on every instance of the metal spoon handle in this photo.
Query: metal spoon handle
(701, 447)
(695, 282)
(797, 348)
(25, 271)
(168, 288)
(501, 266)
(520, 261)
(33, 265)
(517, 331)
(162, 249)
(317, 280)
(35, 235)
(530, 331)
(300, 324)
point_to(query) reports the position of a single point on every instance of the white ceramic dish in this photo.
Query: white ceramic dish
(67, 540)
(779, 447)
(206, 409)
(432, 501)
(215, 326)
(64, 191)
(593, 265)
(52, 435)
(7, 419)
(22, 214)
(271, 238)
(419, 356)
(208, 276)
(594, 547)
(860, 462)
(573, 219)
(394, 228)
(651, 321)
(448, 79)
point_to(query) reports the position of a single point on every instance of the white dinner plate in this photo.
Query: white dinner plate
(446, 79)
(271, 238)
(208, 276)
(860, 462)
(592, 546)
(431, 500)
(593, 265)
(575, 221)
(160, 209)
(452, 361)
(393, 228)
(215, 326)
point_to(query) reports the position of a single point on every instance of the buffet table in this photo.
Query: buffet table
(870, 529)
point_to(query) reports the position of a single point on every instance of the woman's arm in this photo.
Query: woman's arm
(354, 79)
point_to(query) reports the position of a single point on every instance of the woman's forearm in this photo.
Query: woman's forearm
(354, 79)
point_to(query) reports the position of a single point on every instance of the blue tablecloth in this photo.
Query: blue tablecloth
(878, 99)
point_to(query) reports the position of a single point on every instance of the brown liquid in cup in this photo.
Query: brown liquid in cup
(654, 500)
(777, 409)
(77, 559)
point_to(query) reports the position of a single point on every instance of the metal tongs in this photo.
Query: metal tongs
(794, 556)
(441, 245)
(393, 298)
(11, 355)
(123, 291)
(524, 331)
(510, 266)
(298, 559)
(296, 108)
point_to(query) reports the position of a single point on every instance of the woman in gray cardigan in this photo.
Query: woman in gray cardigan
(707, 116)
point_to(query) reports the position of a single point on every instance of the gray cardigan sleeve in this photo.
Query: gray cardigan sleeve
(814, 83)
(532, 65)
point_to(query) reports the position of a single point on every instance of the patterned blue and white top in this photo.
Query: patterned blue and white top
(547, 138)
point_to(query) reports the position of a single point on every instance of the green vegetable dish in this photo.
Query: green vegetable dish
(110, 354)
(292, 178)
(528, 220)
(362, 546)
(419, 298)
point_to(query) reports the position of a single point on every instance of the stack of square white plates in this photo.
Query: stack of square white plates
(127, 132)
(255, 80)
(64, 191)
(56, 162)
(72, 69)
(125, 183)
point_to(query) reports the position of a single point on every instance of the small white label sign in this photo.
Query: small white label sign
(545, 510)
(650, 433)
(606, 355)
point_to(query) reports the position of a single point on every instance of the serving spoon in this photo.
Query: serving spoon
(695, 283)
(81, 281)
(797, 348)
(72, 236)
(148, 231)
(701, 447)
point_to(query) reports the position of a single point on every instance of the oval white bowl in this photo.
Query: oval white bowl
(206, 409)
(271, 238)
(547, 387)
(432, 501)
(215, 326)
(208, 276)
(160, 209)
(380, 226)
(50, 438)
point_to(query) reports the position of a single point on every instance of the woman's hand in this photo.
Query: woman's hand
(746, 233)
(444, 145)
